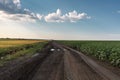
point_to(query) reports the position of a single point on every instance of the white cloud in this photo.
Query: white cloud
(71, 16)
(17, 3)
(4, 16)
(39, 16)
(54, 17)
(74, 16)
(11, 4)
(11, 10)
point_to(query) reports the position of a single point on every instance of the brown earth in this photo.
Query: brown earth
(56, 62)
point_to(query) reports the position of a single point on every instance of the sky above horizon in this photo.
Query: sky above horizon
(60, 19)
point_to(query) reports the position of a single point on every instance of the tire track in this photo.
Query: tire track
(76, 69)
(51, 68)
(106, 74)
(63, 63)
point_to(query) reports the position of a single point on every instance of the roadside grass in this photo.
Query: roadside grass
(103, 50)
(23, 50)
(11, 46)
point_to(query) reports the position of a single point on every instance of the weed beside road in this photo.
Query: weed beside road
(103, 50)
(13, 52)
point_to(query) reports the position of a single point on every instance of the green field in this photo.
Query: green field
(103, 50)
(12, 49)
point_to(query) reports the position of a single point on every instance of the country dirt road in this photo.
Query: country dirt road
(57, 62)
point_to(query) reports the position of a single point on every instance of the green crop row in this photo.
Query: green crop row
(103, 50)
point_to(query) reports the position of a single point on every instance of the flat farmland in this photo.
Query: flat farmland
(103, 50)
(57, 61)
(14, 42)
(11, 49)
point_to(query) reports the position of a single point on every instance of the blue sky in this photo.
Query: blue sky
(60, 19)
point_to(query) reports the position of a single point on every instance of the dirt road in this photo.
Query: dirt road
(58, 62)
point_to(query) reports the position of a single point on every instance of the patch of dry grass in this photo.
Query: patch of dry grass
(10, 43)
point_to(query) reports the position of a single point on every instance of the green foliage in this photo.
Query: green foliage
(103, 50)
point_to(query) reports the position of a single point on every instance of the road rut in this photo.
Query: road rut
(58, 62)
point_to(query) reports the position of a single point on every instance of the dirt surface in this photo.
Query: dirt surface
(56, 62)
(107, 65)
(77, 69)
